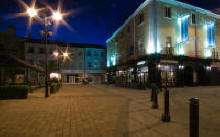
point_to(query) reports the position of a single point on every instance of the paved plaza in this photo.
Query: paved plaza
(108, 111)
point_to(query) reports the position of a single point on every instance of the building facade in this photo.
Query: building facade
(166, 42)
(75, 62)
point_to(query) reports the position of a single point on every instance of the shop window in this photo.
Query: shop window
(168, 12)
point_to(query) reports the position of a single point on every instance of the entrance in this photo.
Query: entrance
(201, 75)
(188, 76)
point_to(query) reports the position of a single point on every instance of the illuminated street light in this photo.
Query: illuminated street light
(57, 16)
(31, 12)
(65, 54)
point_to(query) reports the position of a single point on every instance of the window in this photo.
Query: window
(95, 53)
(168, 41)
(102, 54)
(211, 35)
(30, 50)
(128, 29)
(89, 64)
(41, 50)
(183, 22)
(89, 53)
(193, 19)
(51, 51)
(168, 12)
(141, 18)
(31, 61)
(96, 64)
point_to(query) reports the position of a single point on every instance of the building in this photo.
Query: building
(166, 42)
(13, 68)
(75, 62)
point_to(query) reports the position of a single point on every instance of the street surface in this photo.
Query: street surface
(108, 111)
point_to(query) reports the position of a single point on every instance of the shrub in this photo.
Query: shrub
(13, 92)
(54, 87)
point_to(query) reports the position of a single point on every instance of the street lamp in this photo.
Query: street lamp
(57, 16)
(32, 12)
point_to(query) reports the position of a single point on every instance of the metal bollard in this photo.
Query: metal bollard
(166, 115)
(155, 100)
(153, 94)
(194, 117)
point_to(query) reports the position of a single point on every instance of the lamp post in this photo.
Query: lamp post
(56, 16)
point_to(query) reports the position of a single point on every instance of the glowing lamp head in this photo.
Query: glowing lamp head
(65, 54)
(56, 54)
(31, 12)
(57, 16)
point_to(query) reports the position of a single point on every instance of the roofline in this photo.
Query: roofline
(144, 4)
(65, 44)
(173, 2)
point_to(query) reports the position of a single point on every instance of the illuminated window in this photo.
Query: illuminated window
(184, 28)
(168, 12)
(211, 35)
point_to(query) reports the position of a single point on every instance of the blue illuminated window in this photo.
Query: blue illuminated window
(184, 29)
(211, 35)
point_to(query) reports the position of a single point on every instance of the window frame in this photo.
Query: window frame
(168, 12)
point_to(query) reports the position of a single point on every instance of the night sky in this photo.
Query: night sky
(95, 23)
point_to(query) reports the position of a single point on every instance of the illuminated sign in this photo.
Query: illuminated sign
(141, 63)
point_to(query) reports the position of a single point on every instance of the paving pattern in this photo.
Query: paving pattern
(107, 111)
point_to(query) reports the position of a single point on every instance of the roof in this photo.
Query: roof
(65, 44)
(13, 61)
(173, 2)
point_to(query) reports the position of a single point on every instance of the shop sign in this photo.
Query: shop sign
(169, 61)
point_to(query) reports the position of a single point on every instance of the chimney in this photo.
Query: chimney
(11, 30)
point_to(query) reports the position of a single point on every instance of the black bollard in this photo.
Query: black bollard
(166, 115)
(194, 117)
(153, 94)
(155, 100)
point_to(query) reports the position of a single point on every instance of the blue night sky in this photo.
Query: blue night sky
(95, 23)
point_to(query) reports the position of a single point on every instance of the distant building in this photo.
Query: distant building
(84, 61)
(166, 42)
(13, 68)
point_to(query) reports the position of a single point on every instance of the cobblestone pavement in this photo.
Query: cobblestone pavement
(107, 111)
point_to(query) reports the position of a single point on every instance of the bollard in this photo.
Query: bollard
(153, 94)
(166, 115)
(155, 100)
(194, 117)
